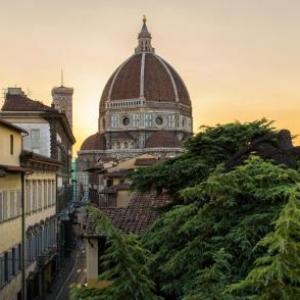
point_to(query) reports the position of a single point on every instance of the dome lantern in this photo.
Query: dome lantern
(144, 39)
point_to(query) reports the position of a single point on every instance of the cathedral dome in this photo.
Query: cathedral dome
(146, 76)
(93, 142)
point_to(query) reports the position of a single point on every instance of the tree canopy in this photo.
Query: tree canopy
(233, 231)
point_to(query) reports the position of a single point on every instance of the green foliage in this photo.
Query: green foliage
(276, 274)
(125, 261)
(234, 234)
(210, 147)
(202, 247)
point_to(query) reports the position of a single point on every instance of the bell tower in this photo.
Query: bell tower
(63, 100)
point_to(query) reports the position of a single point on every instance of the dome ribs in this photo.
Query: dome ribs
(127, 82)
(157, 82)
(182, 91)
(145, 75)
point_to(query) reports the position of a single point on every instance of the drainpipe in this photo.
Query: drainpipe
(23, 264)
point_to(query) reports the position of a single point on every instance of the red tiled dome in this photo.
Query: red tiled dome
(94, 142)
(145, 75)
(162, 139)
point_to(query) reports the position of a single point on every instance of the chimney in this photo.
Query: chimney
(15, 91)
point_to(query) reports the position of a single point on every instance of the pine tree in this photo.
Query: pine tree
(126, 265)
(276, 274)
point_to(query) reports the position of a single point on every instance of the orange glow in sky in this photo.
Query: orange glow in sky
(239, 59)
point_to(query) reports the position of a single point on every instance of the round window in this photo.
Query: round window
(126, 121)
(159, 120)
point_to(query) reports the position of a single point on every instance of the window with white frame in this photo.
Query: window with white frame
(114, 121)
(35, 136)
(5, 205)
(171, 121)
(148, 120)
(34, 195)
(135, 120)
(45, 193)
(28, 196)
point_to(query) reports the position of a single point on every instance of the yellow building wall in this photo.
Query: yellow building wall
(10, 236)
(10, 230)
(5, 157)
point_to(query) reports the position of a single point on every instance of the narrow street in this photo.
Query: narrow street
(76, 276)
(73, 274)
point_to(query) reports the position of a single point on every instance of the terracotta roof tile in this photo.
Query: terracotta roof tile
(131, 220)
(158, 85)
(94, 142)
(127, 82)
(23, 103)
(146, 161)
(149, 200)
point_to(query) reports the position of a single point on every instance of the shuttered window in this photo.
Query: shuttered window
(5, 206)
(1, 206)
(2, 271)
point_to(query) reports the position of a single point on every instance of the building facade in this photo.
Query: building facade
(145, 108)
(10, 210)
(41, 230)
(49, 135)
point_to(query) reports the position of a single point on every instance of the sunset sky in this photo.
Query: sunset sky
(240, 59)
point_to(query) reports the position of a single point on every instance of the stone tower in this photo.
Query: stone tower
(63, 100)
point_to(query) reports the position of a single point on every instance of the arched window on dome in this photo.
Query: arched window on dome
(125, 145)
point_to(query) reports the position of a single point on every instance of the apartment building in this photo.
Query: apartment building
(11, 174)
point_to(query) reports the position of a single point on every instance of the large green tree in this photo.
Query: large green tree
(233, 229)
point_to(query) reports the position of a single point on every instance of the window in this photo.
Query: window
(28, 196)
(1, 209)
(159, 120)
(35, 138)
(18, 203)
(171, 121)
(6, 277)
(45, 194)
(2, 281)
(126, 121)
(34, 195)
(11, 144)
(49, 193)
(40, 194)
(19, 249)
(148, 120)
(13, 261)
(5, 212)
(12, 206)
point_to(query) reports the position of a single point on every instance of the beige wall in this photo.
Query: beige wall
(10, 291)
(5, 157)
(91, 246)
(123, 198)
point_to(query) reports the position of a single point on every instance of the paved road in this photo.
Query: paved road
(76, 275)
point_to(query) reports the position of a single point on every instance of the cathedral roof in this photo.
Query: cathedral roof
(162, 139)
(145, 75)
(94, 142)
